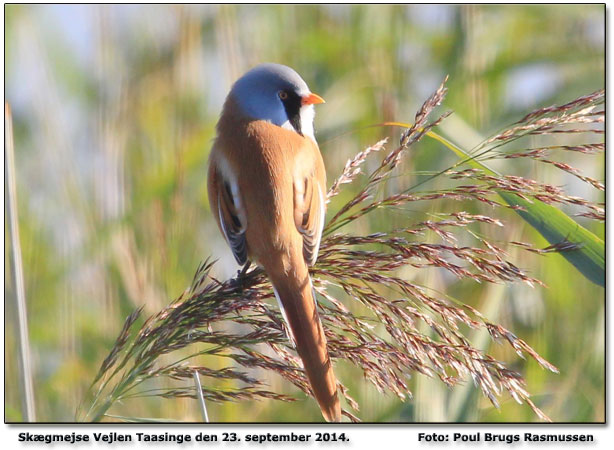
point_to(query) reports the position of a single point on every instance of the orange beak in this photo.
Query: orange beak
(312, 99)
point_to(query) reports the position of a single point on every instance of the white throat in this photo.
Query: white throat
(308, 113)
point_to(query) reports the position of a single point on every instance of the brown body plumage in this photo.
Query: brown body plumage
(266, 188)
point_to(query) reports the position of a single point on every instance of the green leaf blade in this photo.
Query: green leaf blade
(556, 227)
(553, 224)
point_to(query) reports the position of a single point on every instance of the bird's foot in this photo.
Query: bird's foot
(238, 282)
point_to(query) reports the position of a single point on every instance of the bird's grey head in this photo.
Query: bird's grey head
(277, 94)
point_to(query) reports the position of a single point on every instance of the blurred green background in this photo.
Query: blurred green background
(114, 112)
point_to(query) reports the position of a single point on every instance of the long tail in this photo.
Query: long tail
(295, 295)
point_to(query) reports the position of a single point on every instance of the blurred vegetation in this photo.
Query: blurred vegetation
(114, 112)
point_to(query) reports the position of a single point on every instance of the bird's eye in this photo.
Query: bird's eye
(283, 95)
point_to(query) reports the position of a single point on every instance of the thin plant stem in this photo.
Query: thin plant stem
(28, 408)
(201, 399)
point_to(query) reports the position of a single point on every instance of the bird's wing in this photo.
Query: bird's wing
(230, 214)
(309, 211)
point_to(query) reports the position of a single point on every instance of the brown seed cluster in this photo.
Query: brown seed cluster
(375, 317)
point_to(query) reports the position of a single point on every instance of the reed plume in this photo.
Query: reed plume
(372, 313)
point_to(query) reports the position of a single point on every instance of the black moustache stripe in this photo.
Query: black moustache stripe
(292, 105)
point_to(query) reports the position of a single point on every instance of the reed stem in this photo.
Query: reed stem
(201, 399)
(28, 409)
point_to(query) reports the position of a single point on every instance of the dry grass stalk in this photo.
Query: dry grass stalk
(25, 365)
(584, 115)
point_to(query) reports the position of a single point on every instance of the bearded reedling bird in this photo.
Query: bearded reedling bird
(267, 186)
